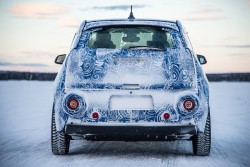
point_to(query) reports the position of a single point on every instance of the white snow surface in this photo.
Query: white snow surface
(25, 108)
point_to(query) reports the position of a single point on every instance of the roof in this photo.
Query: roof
(161, 23)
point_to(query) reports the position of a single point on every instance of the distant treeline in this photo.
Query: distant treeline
(13, 75)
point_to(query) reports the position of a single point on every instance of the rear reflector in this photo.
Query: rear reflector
(166, 115)
(95, 115)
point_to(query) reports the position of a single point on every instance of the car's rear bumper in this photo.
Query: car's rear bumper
(134, 133)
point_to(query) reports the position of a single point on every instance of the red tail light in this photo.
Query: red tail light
(166, 115)
(95, 115)
(73, 104)
(189, 104)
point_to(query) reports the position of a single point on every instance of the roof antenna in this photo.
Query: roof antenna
(131, 16)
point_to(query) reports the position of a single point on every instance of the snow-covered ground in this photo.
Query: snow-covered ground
(25, 113)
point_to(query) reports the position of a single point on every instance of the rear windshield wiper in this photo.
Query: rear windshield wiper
(144, 47)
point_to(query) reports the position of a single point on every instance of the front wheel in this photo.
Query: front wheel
(59, 141)
(202, 141)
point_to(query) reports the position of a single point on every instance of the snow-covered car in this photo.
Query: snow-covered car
(131, 80)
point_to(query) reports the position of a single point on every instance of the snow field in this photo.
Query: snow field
(25, 108)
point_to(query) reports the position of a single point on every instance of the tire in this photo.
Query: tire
(202, 141)
(59, 141)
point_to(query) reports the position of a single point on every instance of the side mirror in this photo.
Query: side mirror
(60, 59)
(202, 59)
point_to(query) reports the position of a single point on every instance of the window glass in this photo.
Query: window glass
(129, 37)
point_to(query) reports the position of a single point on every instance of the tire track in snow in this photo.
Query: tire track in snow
(163, 153)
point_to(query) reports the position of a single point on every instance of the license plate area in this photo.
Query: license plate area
(119, 102)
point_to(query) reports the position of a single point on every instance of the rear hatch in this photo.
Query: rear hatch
(123, 57)
(136, 68)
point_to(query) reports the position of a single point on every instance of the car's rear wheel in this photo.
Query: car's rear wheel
(59, 141)
(202, 141)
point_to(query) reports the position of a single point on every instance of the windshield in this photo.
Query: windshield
(130, 37)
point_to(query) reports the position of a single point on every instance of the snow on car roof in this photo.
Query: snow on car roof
(162, 23)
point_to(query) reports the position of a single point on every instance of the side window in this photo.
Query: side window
(170, 39)
(187, 40)
(189, 44)
(92, 39)
(73, 41)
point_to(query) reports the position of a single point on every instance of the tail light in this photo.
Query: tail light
(73, 104)
(189, 104)
(166, 115)
(95, 115)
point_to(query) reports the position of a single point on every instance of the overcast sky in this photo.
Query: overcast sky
(33, 33)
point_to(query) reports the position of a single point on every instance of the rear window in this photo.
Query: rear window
(130, 37)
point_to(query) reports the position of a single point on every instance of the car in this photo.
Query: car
(131, 80)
